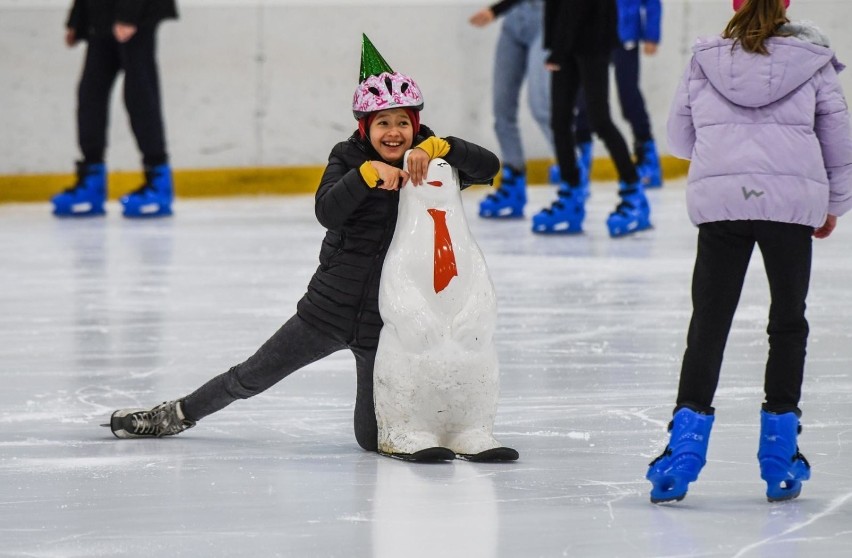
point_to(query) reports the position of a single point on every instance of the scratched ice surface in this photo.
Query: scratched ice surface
(99, 314)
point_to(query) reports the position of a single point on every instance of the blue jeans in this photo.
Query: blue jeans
(520, 54)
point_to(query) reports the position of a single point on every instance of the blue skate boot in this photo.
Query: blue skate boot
(87, 196)
(509, 199)
(648, 164)
(782, 466)
(684, 457)
(554, 176)
(565, 215)
(584, 163)
(633, 214)
(154, 198)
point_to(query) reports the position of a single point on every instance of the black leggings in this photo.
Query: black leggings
(592, 73)
(627, 66)
(105, 58)
(724, 251)
(295, 345)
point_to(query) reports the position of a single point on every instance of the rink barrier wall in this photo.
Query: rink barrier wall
(210, 183)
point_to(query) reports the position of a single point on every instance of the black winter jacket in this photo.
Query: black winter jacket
(579, 28)
(96, 17)
(342, 297)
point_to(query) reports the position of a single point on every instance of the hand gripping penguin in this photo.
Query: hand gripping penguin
(436, 378)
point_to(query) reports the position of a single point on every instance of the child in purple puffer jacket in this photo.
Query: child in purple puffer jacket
(761, 115)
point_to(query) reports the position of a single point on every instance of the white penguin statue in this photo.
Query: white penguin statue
(436, 378)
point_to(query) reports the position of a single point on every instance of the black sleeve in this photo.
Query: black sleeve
(476, 165)
(77, 19)
(503, 6)
(341, 189)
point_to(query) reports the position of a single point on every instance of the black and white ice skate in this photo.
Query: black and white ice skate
(492, 455)
(165, 419)
(428, 455)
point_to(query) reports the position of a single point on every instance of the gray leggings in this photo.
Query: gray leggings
(295, 345)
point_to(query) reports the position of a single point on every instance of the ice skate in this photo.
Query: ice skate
(684, 457)
(154, 198)
(584, 165)
(648, 164)
(782, 466)
(633, 214)
(166, 419)
(87, 196)
(509, 199)
(565, 215)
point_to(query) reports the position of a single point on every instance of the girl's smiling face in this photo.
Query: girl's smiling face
(391, 134)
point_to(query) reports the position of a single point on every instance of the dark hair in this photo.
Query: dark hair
(756, 21)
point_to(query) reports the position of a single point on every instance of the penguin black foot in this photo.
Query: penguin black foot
(491, 455)
(428, 455)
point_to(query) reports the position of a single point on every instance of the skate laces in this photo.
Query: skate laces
(162, 420)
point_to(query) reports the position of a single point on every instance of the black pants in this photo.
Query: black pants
(105, 58)
(295, 345)
(626, 64)
(724, 251)
(592, 74)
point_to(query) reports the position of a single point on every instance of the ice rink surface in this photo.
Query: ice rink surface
(105, 313)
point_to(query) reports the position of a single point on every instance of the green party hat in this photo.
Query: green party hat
(372, 63)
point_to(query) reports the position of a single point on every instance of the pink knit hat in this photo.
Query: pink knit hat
(738, 4)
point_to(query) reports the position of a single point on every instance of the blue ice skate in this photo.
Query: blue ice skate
(633, 214)
(648, 165)
(154, 198)
(554, 175)
(87, 196)
(782, 466)
(584, 164)
(509, 199)
(684, 457)
(565, 215)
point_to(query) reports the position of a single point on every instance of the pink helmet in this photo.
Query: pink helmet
(739, 3)
(386, 91)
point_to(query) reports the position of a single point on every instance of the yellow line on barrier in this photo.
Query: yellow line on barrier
(256, 181)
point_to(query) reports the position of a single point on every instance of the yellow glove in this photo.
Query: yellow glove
(434, 146)
(369, 174)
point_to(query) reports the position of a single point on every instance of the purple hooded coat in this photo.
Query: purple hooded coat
(768, 136)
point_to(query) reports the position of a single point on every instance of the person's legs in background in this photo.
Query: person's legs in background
(510, 69)
(627, 67)
(142, 99)
(101, 67)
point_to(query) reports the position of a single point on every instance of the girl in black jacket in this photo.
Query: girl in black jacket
(357, 203)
